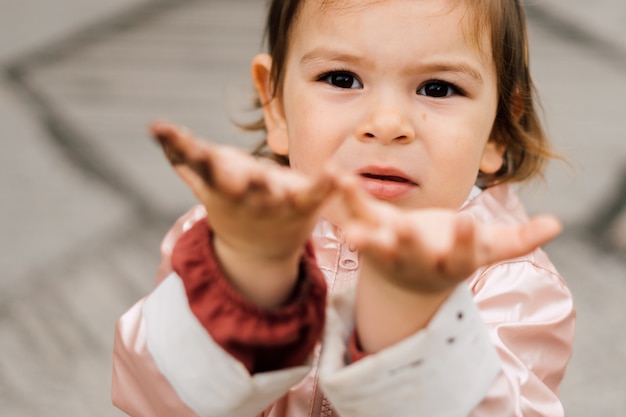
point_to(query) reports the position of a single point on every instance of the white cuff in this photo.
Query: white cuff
(443, 370)
(206, 378)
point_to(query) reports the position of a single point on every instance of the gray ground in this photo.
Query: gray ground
(87, 197)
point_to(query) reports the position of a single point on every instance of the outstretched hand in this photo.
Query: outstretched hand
(411, 261)
(262, 214)
(433, 250)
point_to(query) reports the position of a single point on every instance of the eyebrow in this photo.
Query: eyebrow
(456, 67)
(322, 55)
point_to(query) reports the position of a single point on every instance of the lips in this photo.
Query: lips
(385, 177)
(386, 183)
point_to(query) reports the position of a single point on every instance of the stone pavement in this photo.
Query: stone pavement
(87, 196)
(598, 21)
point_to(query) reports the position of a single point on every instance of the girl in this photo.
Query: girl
(403, 122)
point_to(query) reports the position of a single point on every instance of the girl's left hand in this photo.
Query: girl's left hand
(432, 250)
(411, 261)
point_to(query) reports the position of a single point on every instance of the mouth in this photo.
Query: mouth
(386, 183)
(385, 174)
(392, 178)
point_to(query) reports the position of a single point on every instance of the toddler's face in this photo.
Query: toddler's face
(394, 91)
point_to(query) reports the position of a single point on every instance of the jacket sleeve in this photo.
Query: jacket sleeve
(501, 351)
(194, 347)
(444, 370)
(530, 315)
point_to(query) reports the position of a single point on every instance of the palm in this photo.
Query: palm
(253, 205)
(433, 250)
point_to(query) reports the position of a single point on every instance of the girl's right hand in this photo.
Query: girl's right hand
(262, 214)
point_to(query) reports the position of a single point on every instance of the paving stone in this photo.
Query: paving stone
(48, 206)
(584, 98)
(618, 232)
(596, 379)
(604, 19)
(189, 65)
(27, 25)
(56, 339)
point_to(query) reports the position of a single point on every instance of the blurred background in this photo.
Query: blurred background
(86, 196)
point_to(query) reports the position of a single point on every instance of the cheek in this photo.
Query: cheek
(477, 134)
(456, 153)
(313, 136)
(462, 144)
(306, 144)
(310, 154)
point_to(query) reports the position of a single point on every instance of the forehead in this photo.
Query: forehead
(474, 16)
(476, 8)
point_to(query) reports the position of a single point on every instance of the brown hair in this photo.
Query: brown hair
(517, 127)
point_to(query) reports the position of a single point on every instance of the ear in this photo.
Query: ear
(273, 113)
(493, 157)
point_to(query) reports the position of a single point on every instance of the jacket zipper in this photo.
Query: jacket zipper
(348, 260)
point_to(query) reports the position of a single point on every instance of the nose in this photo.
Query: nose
(387, 124)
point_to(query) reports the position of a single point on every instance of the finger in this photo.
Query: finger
(261, 184)
(464, 245)
(176, 147)
(539, 231)
(357, 201)
(228, 171)
(181, 147)
(506, 242)
(195, 182)
(175, 144)
(236, 174)
(422, 243)
(264, 187)
(378, 242)
(309, 194)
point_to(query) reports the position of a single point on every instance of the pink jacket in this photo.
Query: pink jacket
(498, 346)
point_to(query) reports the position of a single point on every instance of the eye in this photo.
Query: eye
(438, 89)
(341, 79)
